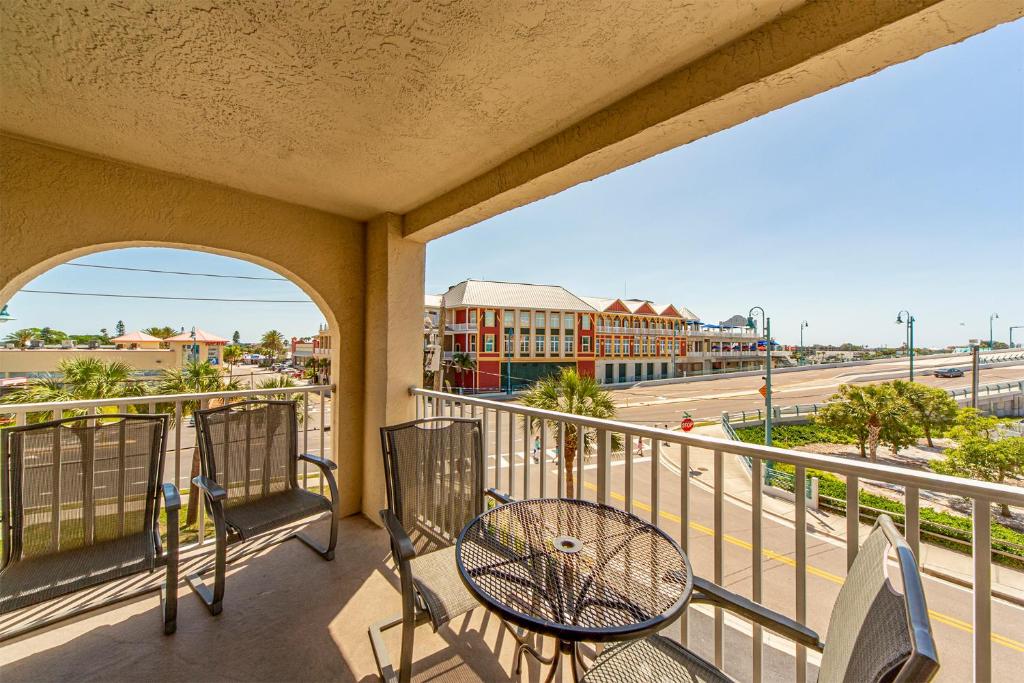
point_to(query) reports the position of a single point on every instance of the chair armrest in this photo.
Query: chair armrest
(212, 489)
(708, 592)
(402, 543)
(322, 463)
(172, 499)
(498, 496)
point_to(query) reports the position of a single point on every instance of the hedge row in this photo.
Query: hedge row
(793, 435)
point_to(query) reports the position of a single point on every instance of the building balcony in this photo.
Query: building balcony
(460, 328)
(780, 552)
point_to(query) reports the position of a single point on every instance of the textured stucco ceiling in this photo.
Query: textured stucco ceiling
(356, 108)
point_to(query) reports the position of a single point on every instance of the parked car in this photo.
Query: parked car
(949, 372)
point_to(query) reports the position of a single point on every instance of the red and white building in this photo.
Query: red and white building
(501, 333)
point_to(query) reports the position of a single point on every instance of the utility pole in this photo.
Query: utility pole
(441, 324)
(975, 372)
(768, 370)
(910, 337)
(803, 324)
(991, 337)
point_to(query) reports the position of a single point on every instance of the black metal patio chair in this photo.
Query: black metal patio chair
(249, 459)
(876, 634)
(434, 475)
(82, 507)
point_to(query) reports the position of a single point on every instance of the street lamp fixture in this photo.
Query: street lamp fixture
(991, 340)
(768, 369)
(910, 337)
(803, 324)
(5, 316)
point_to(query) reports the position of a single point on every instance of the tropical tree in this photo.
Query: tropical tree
(51, 336)
(21, 338)
(232, 354)
(983, 451)
(934, 408)
(119, 328)
(576, 394)
(236, 338)
(193, 378)
(272, 344)
(461, 362)
(161, 332)
(872, 414)
(82, 379)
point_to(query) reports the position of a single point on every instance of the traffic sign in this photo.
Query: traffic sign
(686, 424)
(763, 391)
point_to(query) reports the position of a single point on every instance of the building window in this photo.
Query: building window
(508, 344)
(510, 318)
(488, 318)
(538, 319)
(584, 344)
(489, 343)
(524, 345)
(570, 321)
(458, 347)
(554, 343)
(540, 344)
(585, 322)
(569, 344)
(472, 343)
(618, 346)
(556, 321)
(472, 316)
(645, 344)
(524, 318)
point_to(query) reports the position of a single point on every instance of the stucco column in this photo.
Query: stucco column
(393, 342)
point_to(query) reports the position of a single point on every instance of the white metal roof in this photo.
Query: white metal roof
(513, 295)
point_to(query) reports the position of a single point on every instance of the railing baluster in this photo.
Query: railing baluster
(543, 458)
(756, 561)
(852, 519)
(719, 529)
(305, 438)
(627, 454)
(912, 529)
(511, 454)
(800, 528)
(655, 480)
(561, 459)
(581, 450)
(604, 466)
(684, 525)
(497, 449)
(981, 547)
(527, 456)
(177, 416)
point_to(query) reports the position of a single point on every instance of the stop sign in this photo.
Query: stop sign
(686, 423)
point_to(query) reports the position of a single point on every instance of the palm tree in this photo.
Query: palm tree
(576, 394)
(462, 362)
(82, 379)
(161, 332)
(20, 338)
(272, 343)
(232, 354)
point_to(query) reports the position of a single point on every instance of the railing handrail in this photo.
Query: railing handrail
(158, 398)
(997, 493)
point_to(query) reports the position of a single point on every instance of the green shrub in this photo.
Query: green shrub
(793, 435)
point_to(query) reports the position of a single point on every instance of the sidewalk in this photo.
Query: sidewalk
(945, 564)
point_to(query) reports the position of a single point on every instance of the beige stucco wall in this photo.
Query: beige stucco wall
(56, 205)
(17, 362)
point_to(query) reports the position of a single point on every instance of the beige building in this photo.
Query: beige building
(333, 162)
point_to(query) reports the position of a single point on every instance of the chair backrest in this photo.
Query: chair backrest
(75, 482)
(877, 633)
(250, 448)
(434, 473)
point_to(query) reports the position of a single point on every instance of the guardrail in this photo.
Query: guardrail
(182, 433)
(508, 427)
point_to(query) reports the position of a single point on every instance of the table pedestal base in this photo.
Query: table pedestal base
(566, 648)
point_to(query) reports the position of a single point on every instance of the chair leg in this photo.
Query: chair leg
(380, 650)
(169, 592)
(214, 599)
(325, 552)
(408, 638)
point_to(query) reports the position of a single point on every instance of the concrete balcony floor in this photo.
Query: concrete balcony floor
(288, 616)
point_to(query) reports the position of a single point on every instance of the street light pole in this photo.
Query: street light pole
(1012, 328)
(768, 370)
(803, 324)
(991, 339)
(910, 337)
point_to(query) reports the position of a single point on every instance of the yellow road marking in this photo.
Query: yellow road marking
(812, 570)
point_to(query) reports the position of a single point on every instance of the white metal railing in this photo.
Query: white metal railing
(517, 468)
(314, 407)
(461, 327)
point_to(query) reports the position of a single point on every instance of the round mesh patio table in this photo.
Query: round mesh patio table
(574, 570)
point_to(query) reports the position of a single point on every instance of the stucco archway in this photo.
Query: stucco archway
(56, 206)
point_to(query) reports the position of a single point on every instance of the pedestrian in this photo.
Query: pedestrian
(536, 448)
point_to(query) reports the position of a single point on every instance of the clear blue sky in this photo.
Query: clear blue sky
(901, 190)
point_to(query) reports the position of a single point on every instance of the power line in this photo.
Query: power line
(174, 272)
(170, 298)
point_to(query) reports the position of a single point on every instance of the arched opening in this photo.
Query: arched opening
(183, 319)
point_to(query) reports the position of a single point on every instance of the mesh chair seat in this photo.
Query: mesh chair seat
(436, 578)
(40, 578)
(273, 511)
(655, 659)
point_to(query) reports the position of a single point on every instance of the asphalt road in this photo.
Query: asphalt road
(666, 403)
